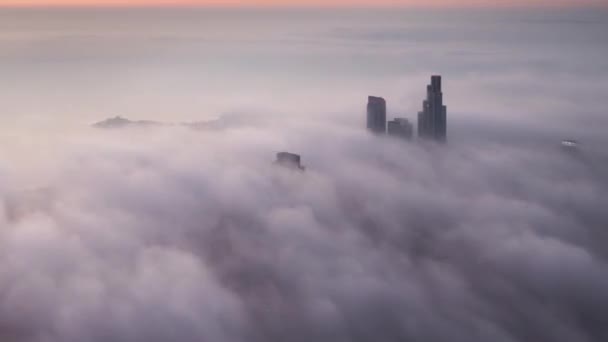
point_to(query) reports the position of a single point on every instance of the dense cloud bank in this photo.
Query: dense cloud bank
(172, 234)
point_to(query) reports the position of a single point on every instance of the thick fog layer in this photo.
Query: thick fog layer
(174, 234)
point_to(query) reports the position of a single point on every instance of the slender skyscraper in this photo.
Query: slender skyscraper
(432, 120)
(376, 115)
(400, 128)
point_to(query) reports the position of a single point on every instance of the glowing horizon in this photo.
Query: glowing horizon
(310, 3)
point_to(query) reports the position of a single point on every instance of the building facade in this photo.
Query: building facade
(432, 120)
(289, 160)
(376, 115)
(400, 128)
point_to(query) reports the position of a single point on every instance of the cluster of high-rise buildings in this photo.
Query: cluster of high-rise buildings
(432, 120)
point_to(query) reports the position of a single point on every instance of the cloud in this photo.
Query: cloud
(169, 233)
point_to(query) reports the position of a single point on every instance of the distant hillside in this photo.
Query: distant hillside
(120, 122)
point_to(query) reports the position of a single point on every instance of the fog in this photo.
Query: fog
(169, 233)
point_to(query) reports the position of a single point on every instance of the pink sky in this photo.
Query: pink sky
(433, 3)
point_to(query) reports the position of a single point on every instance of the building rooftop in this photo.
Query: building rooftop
(289, 160)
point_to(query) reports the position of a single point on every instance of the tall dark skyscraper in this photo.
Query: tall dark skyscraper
(400, 128)
(376, 115)
(432, 120)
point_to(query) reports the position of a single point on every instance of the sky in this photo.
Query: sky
(416, 3)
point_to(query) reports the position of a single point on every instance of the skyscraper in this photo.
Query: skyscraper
(400, 128)
(432, 120)
(376, 115)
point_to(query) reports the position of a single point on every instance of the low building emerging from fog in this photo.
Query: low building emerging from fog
(401, 128)
(289, 160)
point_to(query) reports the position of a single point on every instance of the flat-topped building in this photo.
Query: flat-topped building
(376, 115)
(289, 160)
(400, 128)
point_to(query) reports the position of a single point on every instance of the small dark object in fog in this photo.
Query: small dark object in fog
(289, 160)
